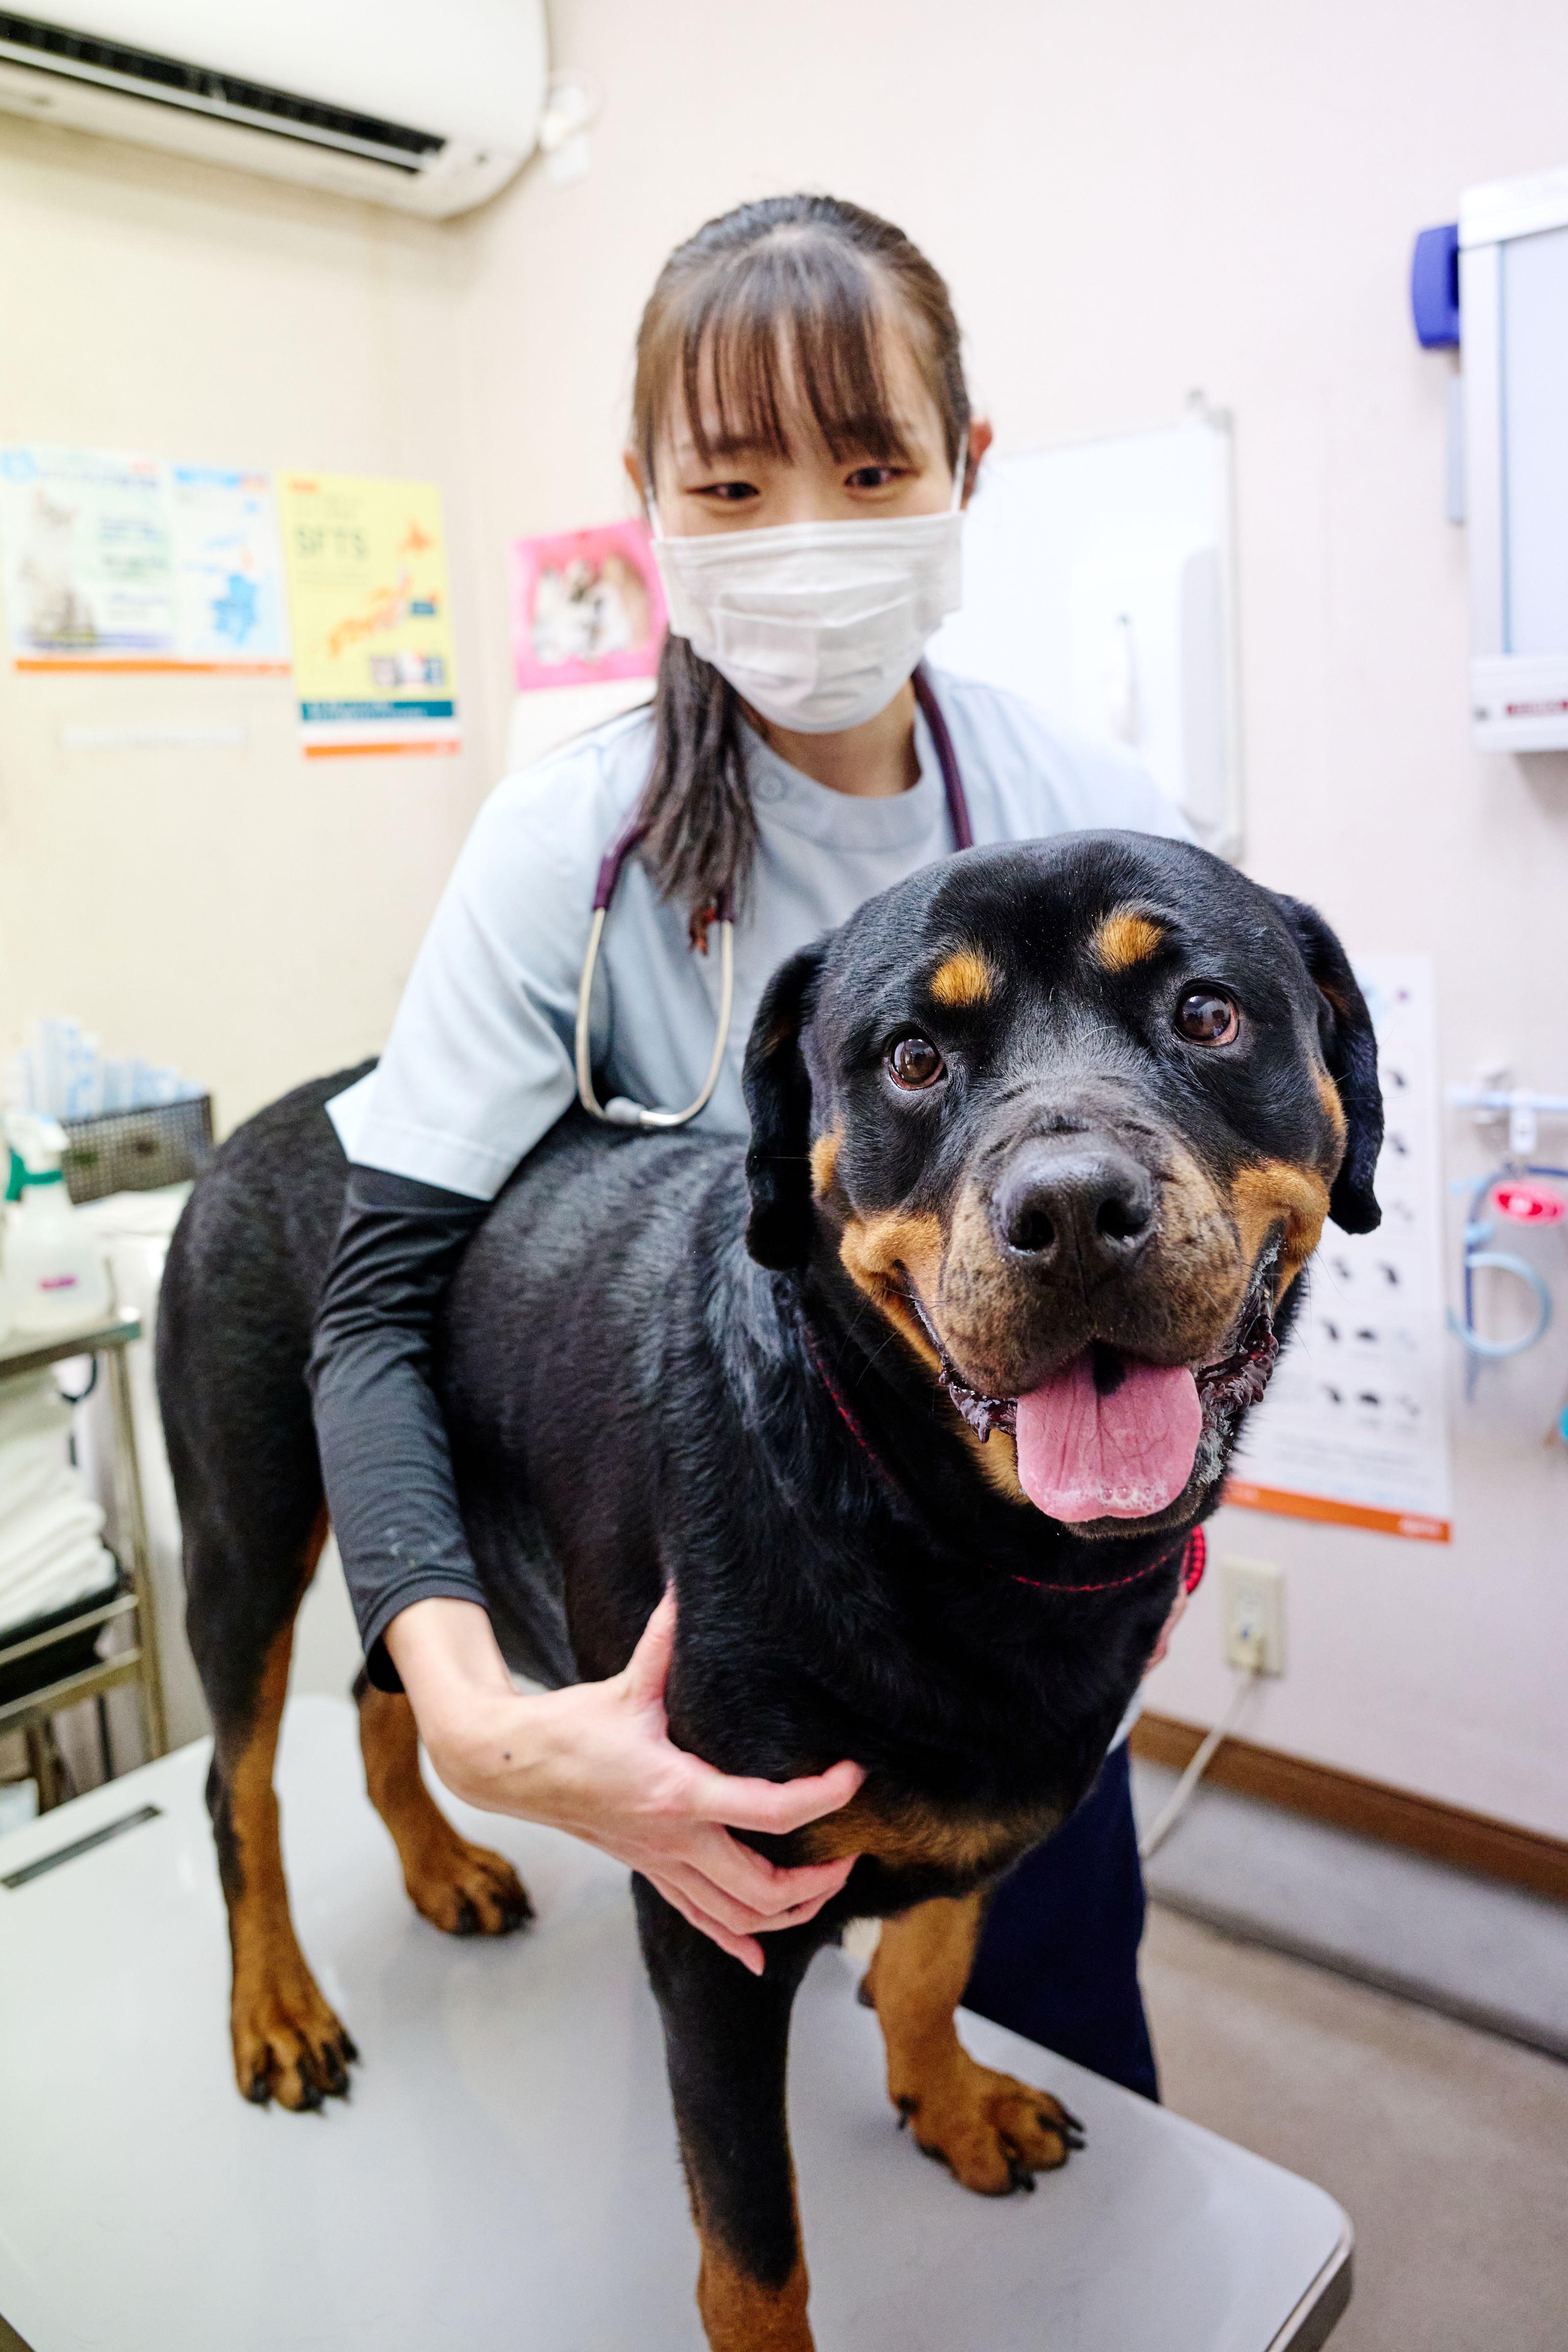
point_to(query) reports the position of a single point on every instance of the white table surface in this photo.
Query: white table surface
(506, 2174)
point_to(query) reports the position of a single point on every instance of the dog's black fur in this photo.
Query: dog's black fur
(634, 1398)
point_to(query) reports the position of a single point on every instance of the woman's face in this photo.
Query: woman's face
(752, 489)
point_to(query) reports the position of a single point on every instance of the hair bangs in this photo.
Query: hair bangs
(794, 329)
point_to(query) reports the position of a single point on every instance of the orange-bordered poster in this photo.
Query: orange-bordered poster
(115, 561)
(1354, 1429)
(372, 614)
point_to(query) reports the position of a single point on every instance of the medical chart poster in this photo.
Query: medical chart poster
(586, 605)
(1354, 1428)
(118, 561)
(370, 608)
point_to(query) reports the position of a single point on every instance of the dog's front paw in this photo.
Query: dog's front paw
(992, 2132)
(289, 2043)
(463, 1889)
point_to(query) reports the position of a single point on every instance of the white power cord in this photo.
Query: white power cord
(1180, 1796)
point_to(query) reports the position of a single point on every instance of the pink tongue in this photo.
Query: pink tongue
(1082, 1456)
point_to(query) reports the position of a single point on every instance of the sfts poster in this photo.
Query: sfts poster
(1354, 1429)
(371, 608)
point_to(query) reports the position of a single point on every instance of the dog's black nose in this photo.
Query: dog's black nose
(1076, 1196)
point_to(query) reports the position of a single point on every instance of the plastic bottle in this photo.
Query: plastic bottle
(56, 1279)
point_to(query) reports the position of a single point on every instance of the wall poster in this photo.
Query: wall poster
(114, 561)
(586, 605)
(1354, 1428)
(370, 609)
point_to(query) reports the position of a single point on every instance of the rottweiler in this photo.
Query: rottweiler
(914, 1400)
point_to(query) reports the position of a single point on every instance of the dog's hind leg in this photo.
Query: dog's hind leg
(992, 2131)
(725, 2038)
(466, 1889)
(289, 2044)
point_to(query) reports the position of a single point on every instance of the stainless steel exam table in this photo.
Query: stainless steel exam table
(505, 2178)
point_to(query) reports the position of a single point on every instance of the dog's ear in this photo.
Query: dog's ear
(1349, 1052)
(778, 1096)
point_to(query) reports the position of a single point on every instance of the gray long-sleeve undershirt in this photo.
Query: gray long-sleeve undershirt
(385, 1457)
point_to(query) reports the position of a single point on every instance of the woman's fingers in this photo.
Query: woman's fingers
(730, 1924)
(744, 1948)
(781, 1906)
(775, 1805)
(648, 1668)
(763, 1887)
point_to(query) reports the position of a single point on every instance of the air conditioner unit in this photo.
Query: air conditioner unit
(428, 110)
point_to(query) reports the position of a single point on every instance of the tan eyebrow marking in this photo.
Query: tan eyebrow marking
(966, 977)
(1123, 937)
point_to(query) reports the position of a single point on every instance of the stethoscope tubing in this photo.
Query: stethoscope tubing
(620, 1110)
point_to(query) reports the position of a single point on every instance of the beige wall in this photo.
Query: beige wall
(1131, 201)
(237, 911)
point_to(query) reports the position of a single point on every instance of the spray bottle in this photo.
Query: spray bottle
(56, 1279)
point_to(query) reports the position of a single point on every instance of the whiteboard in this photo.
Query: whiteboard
(1099, 582)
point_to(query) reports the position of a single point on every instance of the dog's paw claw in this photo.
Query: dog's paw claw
(994, 2134)
(468, 1890)
(287, 2044)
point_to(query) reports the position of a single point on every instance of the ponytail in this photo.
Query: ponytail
(701, 827)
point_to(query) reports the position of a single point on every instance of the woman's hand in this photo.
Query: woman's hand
(598, 1760)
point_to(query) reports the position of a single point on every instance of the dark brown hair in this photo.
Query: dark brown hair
(801, 287)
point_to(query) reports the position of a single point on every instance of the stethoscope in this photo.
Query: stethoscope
(620, 1110)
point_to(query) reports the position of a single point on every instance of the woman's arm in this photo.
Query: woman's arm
(595, 1758)
(384, 1455)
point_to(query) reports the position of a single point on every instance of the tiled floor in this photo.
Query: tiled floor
(1447, 2148)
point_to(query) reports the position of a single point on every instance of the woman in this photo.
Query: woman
(803, 445)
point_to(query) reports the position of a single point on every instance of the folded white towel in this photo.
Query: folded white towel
(49, 1548)
(33, 1539)
(86, 1571)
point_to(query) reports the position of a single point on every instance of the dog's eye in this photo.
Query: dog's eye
(1207, 1017)
(915, 1062)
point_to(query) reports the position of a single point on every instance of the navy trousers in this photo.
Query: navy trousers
(1058, 1953)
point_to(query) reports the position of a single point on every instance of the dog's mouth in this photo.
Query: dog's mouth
(1110, 1436)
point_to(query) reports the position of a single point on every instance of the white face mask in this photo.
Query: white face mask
(816, 625)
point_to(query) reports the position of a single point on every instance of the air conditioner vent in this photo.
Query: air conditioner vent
(55, 49)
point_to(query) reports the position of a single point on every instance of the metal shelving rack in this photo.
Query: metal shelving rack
(30, 1713)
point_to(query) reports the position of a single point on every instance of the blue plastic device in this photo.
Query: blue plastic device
(1434, 287)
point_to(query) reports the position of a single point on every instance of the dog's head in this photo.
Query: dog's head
(1071, 1115)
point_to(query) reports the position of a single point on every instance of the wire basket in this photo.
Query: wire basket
(137, 1151)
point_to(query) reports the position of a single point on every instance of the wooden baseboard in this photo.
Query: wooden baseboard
(1422, 1824)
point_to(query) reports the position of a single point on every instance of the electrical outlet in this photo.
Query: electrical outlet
(1253, 1592)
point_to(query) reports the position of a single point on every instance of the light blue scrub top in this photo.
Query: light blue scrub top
(481, 1061)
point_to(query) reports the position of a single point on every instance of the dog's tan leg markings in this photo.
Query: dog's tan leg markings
(287, 2044)
(741, 2314)
(992, 2132)
(465, 1889)
(966, 978)
(1125, 937)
